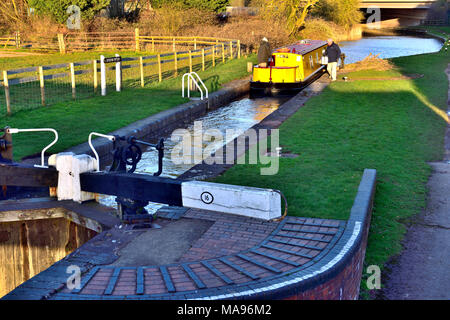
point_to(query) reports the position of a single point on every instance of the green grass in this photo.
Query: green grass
(395, 127)
(56, 58)
(74, 120)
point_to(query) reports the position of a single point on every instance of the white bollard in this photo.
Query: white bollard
(103, 75)
(69, 167)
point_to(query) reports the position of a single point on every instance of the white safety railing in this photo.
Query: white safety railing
(15, 130)
(109, 137)
(190, 76)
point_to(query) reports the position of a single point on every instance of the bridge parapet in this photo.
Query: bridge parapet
(398, 4)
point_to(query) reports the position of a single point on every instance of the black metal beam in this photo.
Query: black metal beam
(21, 175)
(134, 186)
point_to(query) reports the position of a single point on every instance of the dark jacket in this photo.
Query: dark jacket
(264, 52)
(333, 52)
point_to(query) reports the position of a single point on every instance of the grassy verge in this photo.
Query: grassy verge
(393, 126)
(39, 59)
(76, 119)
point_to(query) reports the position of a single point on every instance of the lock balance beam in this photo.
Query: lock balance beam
(245, 201)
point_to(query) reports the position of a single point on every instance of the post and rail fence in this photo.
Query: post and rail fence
(41, 86)
(101, 41)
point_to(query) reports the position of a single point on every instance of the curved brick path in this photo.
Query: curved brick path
(234, 253)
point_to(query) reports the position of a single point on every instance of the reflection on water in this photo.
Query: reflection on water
(239, 115)
(388, 47)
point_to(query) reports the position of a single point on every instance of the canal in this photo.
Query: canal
(388, 47)
(245, 113)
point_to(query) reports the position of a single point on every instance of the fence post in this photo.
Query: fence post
(175, 58)
(153, 44)
(118, 74)
(239, 48)
(62, 45)
(174, 48)
(41, 82)
(136, 39)
(103, 75)
(6, 85)
(223, 52)
(195, 43)
(214, 56)
(17, 39)
(94, 63)
(203, 59)
(190, 61)
(72, 79)
(159, 68)
(231, 49)
(141, 65)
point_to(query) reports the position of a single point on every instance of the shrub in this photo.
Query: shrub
(320, 29)
(57, 9)
(211, 5)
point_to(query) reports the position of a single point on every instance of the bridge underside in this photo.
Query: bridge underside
(395, 17)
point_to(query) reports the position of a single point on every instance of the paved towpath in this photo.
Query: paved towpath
(422, 271)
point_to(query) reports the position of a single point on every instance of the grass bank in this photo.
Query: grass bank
(393, 126)
(74, 120)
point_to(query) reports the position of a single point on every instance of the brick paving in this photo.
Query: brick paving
(234, 253)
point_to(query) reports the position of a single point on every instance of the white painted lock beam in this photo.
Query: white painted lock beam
(244, 201)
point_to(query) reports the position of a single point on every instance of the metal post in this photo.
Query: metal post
(190, 61)
(103, 75)
(214, 56)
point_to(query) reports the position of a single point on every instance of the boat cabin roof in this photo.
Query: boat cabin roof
(302, 47)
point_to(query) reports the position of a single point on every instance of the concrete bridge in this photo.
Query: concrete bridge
(396, 13)
(398, 4)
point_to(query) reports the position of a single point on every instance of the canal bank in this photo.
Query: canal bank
(394, 126)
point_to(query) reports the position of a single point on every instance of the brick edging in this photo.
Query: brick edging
(351, 245)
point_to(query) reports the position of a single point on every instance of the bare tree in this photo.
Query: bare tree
(293, 11)
(13, 12)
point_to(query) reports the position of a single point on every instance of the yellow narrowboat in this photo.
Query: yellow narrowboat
(290, 68)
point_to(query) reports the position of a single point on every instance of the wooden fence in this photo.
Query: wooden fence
(10, 41)
(100, 41)
(44, 85)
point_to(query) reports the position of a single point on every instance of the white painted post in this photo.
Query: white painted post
(118, 74)
(103, 75)
(72, 79)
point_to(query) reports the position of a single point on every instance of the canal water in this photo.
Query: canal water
(388, 47)
(239, 115)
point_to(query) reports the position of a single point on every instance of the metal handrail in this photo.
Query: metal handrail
(15, 130)
(109, 137)
(190, 75)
